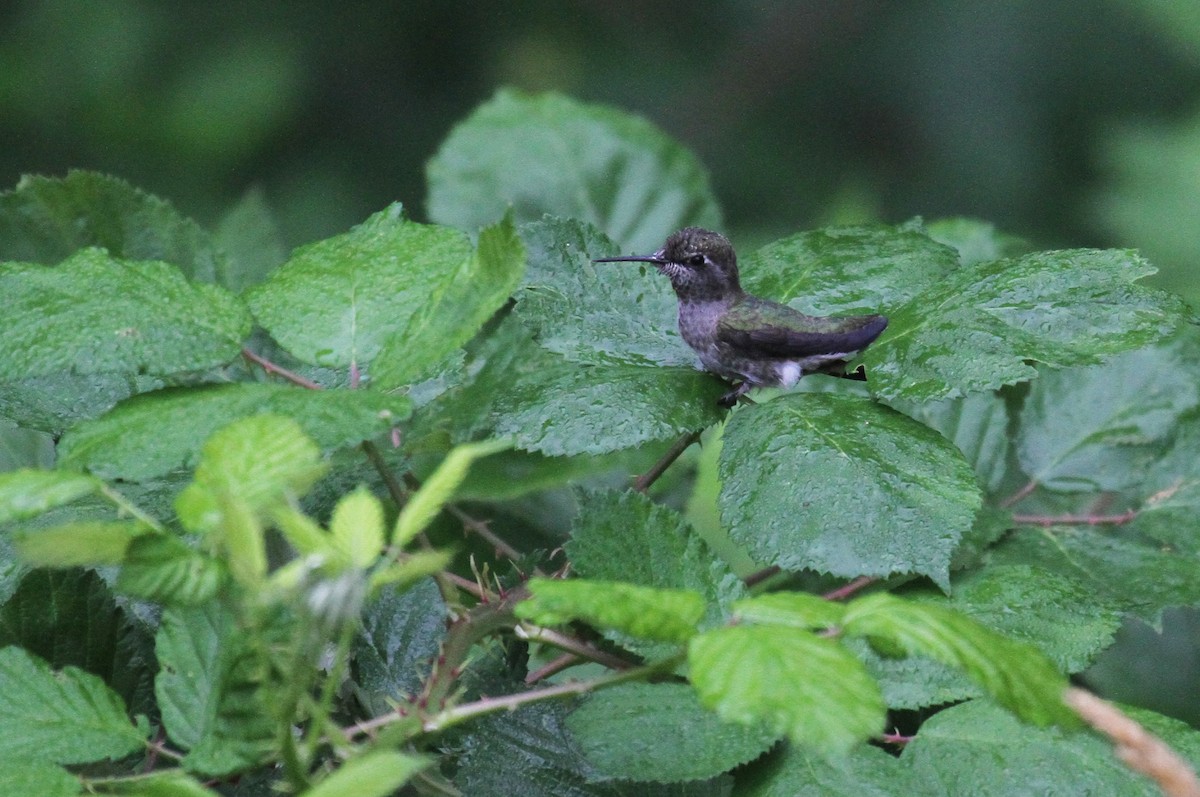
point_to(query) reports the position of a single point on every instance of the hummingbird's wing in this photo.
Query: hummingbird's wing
(768, 329)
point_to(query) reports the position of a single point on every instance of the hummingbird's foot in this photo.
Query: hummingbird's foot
(729, 399)
(838, 369)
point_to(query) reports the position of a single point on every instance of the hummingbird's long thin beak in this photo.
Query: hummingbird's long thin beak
(631, 259)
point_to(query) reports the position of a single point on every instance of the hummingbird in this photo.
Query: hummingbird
(742, 337)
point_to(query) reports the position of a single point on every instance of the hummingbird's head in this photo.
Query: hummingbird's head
(701, 264)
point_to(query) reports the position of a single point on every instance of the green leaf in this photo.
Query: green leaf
(212, 703)
(790, 681)
(845, 486)
(251, 239)
(464, 300)
(40, 778)
(259, 461)
(1171, 512)
(790, 609)
(339, 302)
(977, 328)
(374, 774)
(28, 492)
(68, 717)
(399, 639)
(160, 784)
(667, 615)
(1092, 430)
(1015, 674)
(976, 241)
(865, 771)
(45, 220)
(56, 402)
(97, 542)
(155, 433)
(848, 270)
(93, 313)
(1119, 568)
(547, 153)
(1058, 615)
(978, 427)
(660, 733)
(623, 535)
(165, 570)
(975, 748)
(411, 569)
(439, 488)
(357, 527)
(596, 313)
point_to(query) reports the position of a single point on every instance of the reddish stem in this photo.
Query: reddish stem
(272, 368)
(849, 589)
(1045, 521)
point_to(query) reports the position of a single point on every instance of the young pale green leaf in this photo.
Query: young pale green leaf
(357, 527)
(37, 779)
(154, 433)
(212, 703)
(165, 570)
(85, 543)
(374, 774)
(160, 784)
(791, 609)
(47, 219)
(1057, 614)
(93, 313)
(68, 717)
(459, 305)
(28, 492)
(302, 532)
(848, 270)
(1015, 674)
(1093, 429)
(667, 615)
(397, 644)
(336, 302)
(411, 569)
(845, 486)
(790, 681)
(596, 313)
(660, 733)
(256, 462)
(439, 488)
(549, 154)
(978, 328)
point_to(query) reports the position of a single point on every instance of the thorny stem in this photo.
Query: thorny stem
(1045, 521)
(272, 368)
(533, 633)
(643, 482)
(553, 667)
(846, 590)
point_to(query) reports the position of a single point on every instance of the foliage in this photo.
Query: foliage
(264, 523)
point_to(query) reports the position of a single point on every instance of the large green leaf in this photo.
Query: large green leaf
(660, 732)
(68, 717)
(47, 219)
(976, 241)
(789, 681)
(377, 773)
(1171, 484)
(1015, 674)
(596, 313)
(977, 424)
(1093, 429)
(56, 402)
(155, 433)
(848, 270)
(977, 328)
(369, 292)
(211, 703)
(865, 771)
(667, 615)
(550, 154)
(845, 486)
(401, 631)
(41, 778)
(94, 313)
(28, 492)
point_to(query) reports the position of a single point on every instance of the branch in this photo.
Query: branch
(1139, 749)
(1045, 521)
(846, 590)
(681, 444)
(272, 368)
(1019, 495)
(548, 636)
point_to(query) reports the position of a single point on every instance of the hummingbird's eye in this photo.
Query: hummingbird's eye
(696, 260)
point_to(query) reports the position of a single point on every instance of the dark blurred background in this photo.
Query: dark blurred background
(1070, 122)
